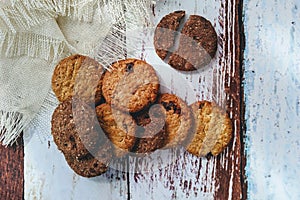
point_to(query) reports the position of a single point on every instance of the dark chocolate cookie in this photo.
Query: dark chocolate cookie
(197, 41)
(73, 128)
(90, 165)
(197, 45)
(165, 32)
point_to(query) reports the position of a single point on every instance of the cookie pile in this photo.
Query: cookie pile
(108, 114)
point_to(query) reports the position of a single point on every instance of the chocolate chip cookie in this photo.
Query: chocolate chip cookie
(131, 85)
(119, 127)
(150, 133)
(78, 76)
(213, 129)
(179, 120)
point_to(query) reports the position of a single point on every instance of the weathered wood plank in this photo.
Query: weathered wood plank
(180, 175)
(166, 174)
(272, 96)
(11, 171)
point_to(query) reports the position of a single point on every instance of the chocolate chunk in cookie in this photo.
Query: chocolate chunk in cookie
(78, 76)
(131, 85)
(213, 129)
(179, 121)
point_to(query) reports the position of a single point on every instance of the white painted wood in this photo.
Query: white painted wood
(171, 174)
(181, 175)
(272, 94)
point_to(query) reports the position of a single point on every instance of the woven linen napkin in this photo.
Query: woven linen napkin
(35, 35)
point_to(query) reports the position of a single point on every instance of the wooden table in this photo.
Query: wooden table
(228, 178)
(12, 172)
(250, 91)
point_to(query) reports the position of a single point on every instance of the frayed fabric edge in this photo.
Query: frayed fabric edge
(24, 14)
(11, 126)
(20, 44)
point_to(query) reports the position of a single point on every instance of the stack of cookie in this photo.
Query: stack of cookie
(134, 117)
(77, 84)
(120, 111)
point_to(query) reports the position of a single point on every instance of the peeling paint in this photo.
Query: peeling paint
(272, 92)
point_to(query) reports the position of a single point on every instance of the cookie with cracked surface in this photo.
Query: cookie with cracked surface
(119, 127)
(91, 165)
(213, 129)
(165, 33)
(131, 85)
(197, 45)
(78, 76)
(150, 133)
(179, 120)
(73, 128)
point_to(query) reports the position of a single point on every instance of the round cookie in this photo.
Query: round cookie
(197, 45)
(213, 129)
(119, 127)
(150, 133)
(179, 120)
(165, 32)
(73, 128)
(91, 165)
(131, 85)
(78, 76)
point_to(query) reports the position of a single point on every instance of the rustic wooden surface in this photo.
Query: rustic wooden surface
(185, 177)
(272, 112)
(188, 177)
(11, 172)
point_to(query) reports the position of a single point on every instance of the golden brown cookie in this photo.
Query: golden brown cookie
(131, 85)
(91, 165)
(165, 32)
(119, 127)
(179, 120)
(78, 76)
(213, 129)
(150, 132)
(74, 128)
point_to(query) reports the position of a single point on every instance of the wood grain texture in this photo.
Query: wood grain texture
(171, 174)
(182, 176)
(11, 171)
(272, 97)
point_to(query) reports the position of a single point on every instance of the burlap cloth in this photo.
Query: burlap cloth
(35, 35)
